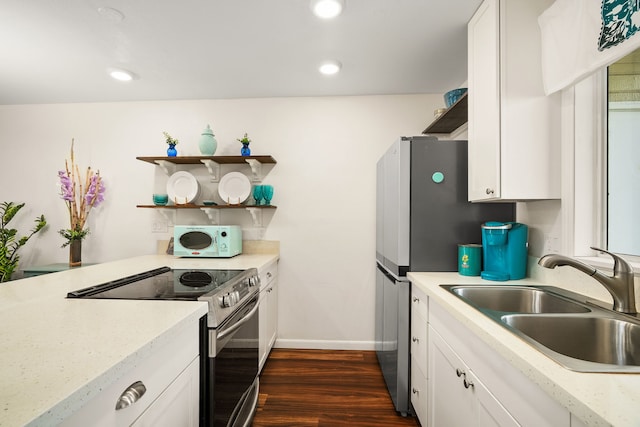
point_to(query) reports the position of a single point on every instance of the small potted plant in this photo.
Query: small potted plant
(171, 151)
(245, 140)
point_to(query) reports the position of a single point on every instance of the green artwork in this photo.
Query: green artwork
(620, 21)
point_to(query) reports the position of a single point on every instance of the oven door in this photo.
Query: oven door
(229, 386)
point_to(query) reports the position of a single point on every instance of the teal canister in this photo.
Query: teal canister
(207, 143)
(469, 259)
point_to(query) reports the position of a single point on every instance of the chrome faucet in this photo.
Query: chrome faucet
(620, 285)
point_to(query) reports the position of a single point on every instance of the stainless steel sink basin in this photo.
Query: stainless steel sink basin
(517, 299)
(588, 338)
(565, 326)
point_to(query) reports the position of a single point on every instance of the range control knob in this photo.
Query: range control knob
(254, 281)
(230, 299)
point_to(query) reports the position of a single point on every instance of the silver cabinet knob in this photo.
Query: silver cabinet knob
(131, 395)
(415, 339)
(489, 191)
(462, 374)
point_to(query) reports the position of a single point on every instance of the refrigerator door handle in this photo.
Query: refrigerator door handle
(395, 279)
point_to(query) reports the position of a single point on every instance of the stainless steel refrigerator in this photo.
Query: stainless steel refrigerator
(422, 214)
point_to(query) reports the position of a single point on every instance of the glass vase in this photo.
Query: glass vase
(245, 150)
(75, 253)
(171, 151)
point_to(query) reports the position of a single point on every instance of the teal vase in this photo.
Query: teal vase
(207, 143)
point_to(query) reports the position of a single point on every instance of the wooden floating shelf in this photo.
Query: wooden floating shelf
(195, 160)
(450, 120)
(207, 207)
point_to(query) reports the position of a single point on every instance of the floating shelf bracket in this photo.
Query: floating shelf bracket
(169, 215)
(213, 168)
(256, 215)
(256, 169)
(213, 214)
(168, 167)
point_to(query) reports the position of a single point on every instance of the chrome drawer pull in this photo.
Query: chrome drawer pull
(131, 395)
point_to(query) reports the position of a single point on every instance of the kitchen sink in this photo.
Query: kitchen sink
(595, 339)
(517, 299)
(565, 326)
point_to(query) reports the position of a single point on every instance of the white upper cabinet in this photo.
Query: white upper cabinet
(514, 129)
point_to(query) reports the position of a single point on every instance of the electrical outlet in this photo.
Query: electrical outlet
(551, 244)
(159, 226)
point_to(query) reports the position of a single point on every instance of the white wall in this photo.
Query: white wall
(326, 149)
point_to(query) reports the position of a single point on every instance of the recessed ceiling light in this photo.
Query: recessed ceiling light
(330, 68)
(327, 9)
(121, 75)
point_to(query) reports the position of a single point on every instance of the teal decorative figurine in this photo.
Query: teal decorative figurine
(207, 144)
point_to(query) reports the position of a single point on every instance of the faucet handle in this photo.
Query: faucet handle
(620, 265)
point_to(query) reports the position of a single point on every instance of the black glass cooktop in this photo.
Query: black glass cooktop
(160, 284)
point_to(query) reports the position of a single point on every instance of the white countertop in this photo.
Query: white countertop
(597, 399)
(58, 353)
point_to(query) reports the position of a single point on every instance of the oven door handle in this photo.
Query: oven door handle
(236, 326)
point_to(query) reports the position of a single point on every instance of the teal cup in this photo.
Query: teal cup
(160, 199)
(469, 259)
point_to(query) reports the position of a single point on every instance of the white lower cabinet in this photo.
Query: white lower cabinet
(458, 397)
(175, 406)
(419, 327)
(162, 388)
(470, 384)
(268, 311)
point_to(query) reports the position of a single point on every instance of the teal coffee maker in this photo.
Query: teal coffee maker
(504, 250)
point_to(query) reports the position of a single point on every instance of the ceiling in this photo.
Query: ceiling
(58, 51)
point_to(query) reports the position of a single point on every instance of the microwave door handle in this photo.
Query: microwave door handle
(237, 325)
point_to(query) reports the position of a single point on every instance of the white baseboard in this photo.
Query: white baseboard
(324, 345)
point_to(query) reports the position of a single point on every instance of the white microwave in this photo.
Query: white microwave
(207, 241)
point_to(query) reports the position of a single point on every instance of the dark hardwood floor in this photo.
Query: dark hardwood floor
(325, 388)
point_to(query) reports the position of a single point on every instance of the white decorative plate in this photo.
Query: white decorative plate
(234, 188)
(182, 188)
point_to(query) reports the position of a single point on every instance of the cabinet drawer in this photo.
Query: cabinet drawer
(419, 330)
(268, 274)
(419, 391)
(156, 371)
(178, 405)
(419, 303)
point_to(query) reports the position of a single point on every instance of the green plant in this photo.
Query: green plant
(245, 139)
(9, 243)
(170, 139)
(70, 235)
